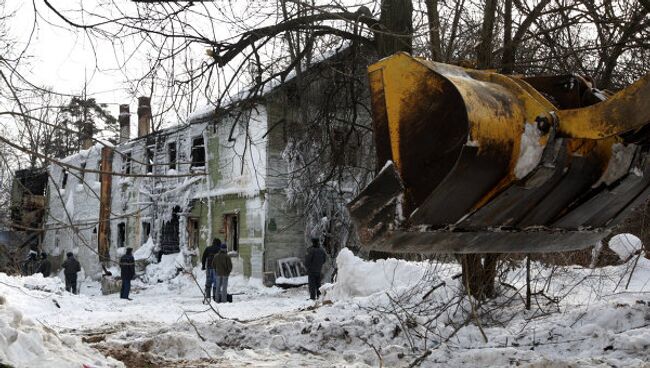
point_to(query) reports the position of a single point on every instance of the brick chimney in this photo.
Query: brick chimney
(86, 135)
(144, 116)
(125, 123)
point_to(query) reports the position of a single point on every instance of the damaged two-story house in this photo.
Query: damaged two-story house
(259, 175)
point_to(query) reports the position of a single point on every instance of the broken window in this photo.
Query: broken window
(149, 159)
(126, 165)
(146, 230)
(171, 149)
(64, 179)
(121, 234)
(198, 152)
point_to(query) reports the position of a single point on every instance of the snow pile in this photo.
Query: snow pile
(625, 245)
(169, 267)
(146, 251)
(48, 284)
(24, 343)
(358, 278)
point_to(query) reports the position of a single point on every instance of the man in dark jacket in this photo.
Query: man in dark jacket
(223, 267)
(127, 269)
(45, 267)
(314, 261)
(206, 261)
(70, 268)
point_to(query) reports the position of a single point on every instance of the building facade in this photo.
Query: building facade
(227, 174)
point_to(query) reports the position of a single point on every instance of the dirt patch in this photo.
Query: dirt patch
(138, 359)
(130, 358)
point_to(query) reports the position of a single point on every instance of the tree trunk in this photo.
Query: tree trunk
(634, 26)
(508, 59)
(454, 30)
(395, 31)
(434, 29)
(510, 43)
(484, 52)
(479, 273)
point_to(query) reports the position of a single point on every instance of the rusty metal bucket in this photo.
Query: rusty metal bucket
(478, 162)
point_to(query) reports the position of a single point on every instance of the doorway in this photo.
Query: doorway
(169, 238)
(231, 227)
(192, 232)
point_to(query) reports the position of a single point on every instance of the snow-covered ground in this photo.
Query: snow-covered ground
(391, 313)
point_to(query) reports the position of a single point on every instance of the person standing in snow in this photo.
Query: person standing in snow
(314, 261)
(223, 267)
(70, 268)
(127, 269)
(206, 261)
(45, 267)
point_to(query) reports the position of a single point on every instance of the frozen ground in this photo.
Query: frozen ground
(388, 313)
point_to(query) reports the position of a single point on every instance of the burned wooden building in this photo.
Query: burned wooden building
(226, 173)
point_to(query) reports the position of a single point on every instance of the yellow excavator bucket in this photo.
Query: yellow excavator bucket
(479, 162)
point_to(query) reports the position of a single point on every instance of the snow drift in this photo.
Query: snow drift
(25, 343)
(359, 278)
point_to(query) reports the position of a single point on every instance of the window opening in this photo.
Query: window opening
(171, 149)
(150, 155)
(146, 231)
(126, 167)
(64, 180)
(198, 152)
(121, 234)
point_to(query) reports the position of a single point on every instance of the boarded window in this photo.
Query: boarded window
(171, 149)
(126, 165)
(121, 234)
(198, 152)
(149, 159)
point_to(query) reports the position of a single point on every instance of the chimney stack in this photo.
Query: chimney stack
(125, 123)
(86, 135)
(144, 116)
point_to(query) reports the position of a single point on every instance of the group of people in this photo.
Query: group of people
(217, 265)
(37, 264)
(215, 261)
(43, 266)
